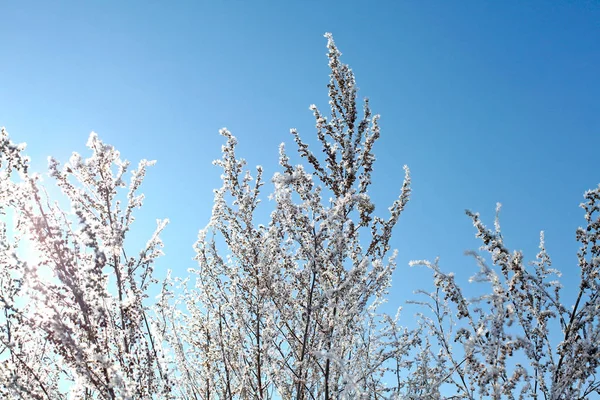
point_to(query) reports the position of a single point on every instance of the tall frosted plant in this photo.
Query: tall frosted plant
(289, 308)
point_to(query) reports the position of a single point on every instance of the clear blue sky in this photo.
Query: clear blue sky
(485, 101)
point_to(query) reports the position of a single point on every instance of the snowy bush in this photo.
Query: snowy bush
(283, 308)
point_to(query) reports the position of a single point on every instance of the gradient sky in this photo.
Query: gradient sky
(485, 101)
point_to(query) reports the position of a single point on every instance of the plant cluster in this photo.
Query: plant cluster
(286, 309)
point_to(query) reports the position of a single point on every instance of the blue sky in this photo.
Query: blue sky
(485, 101)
